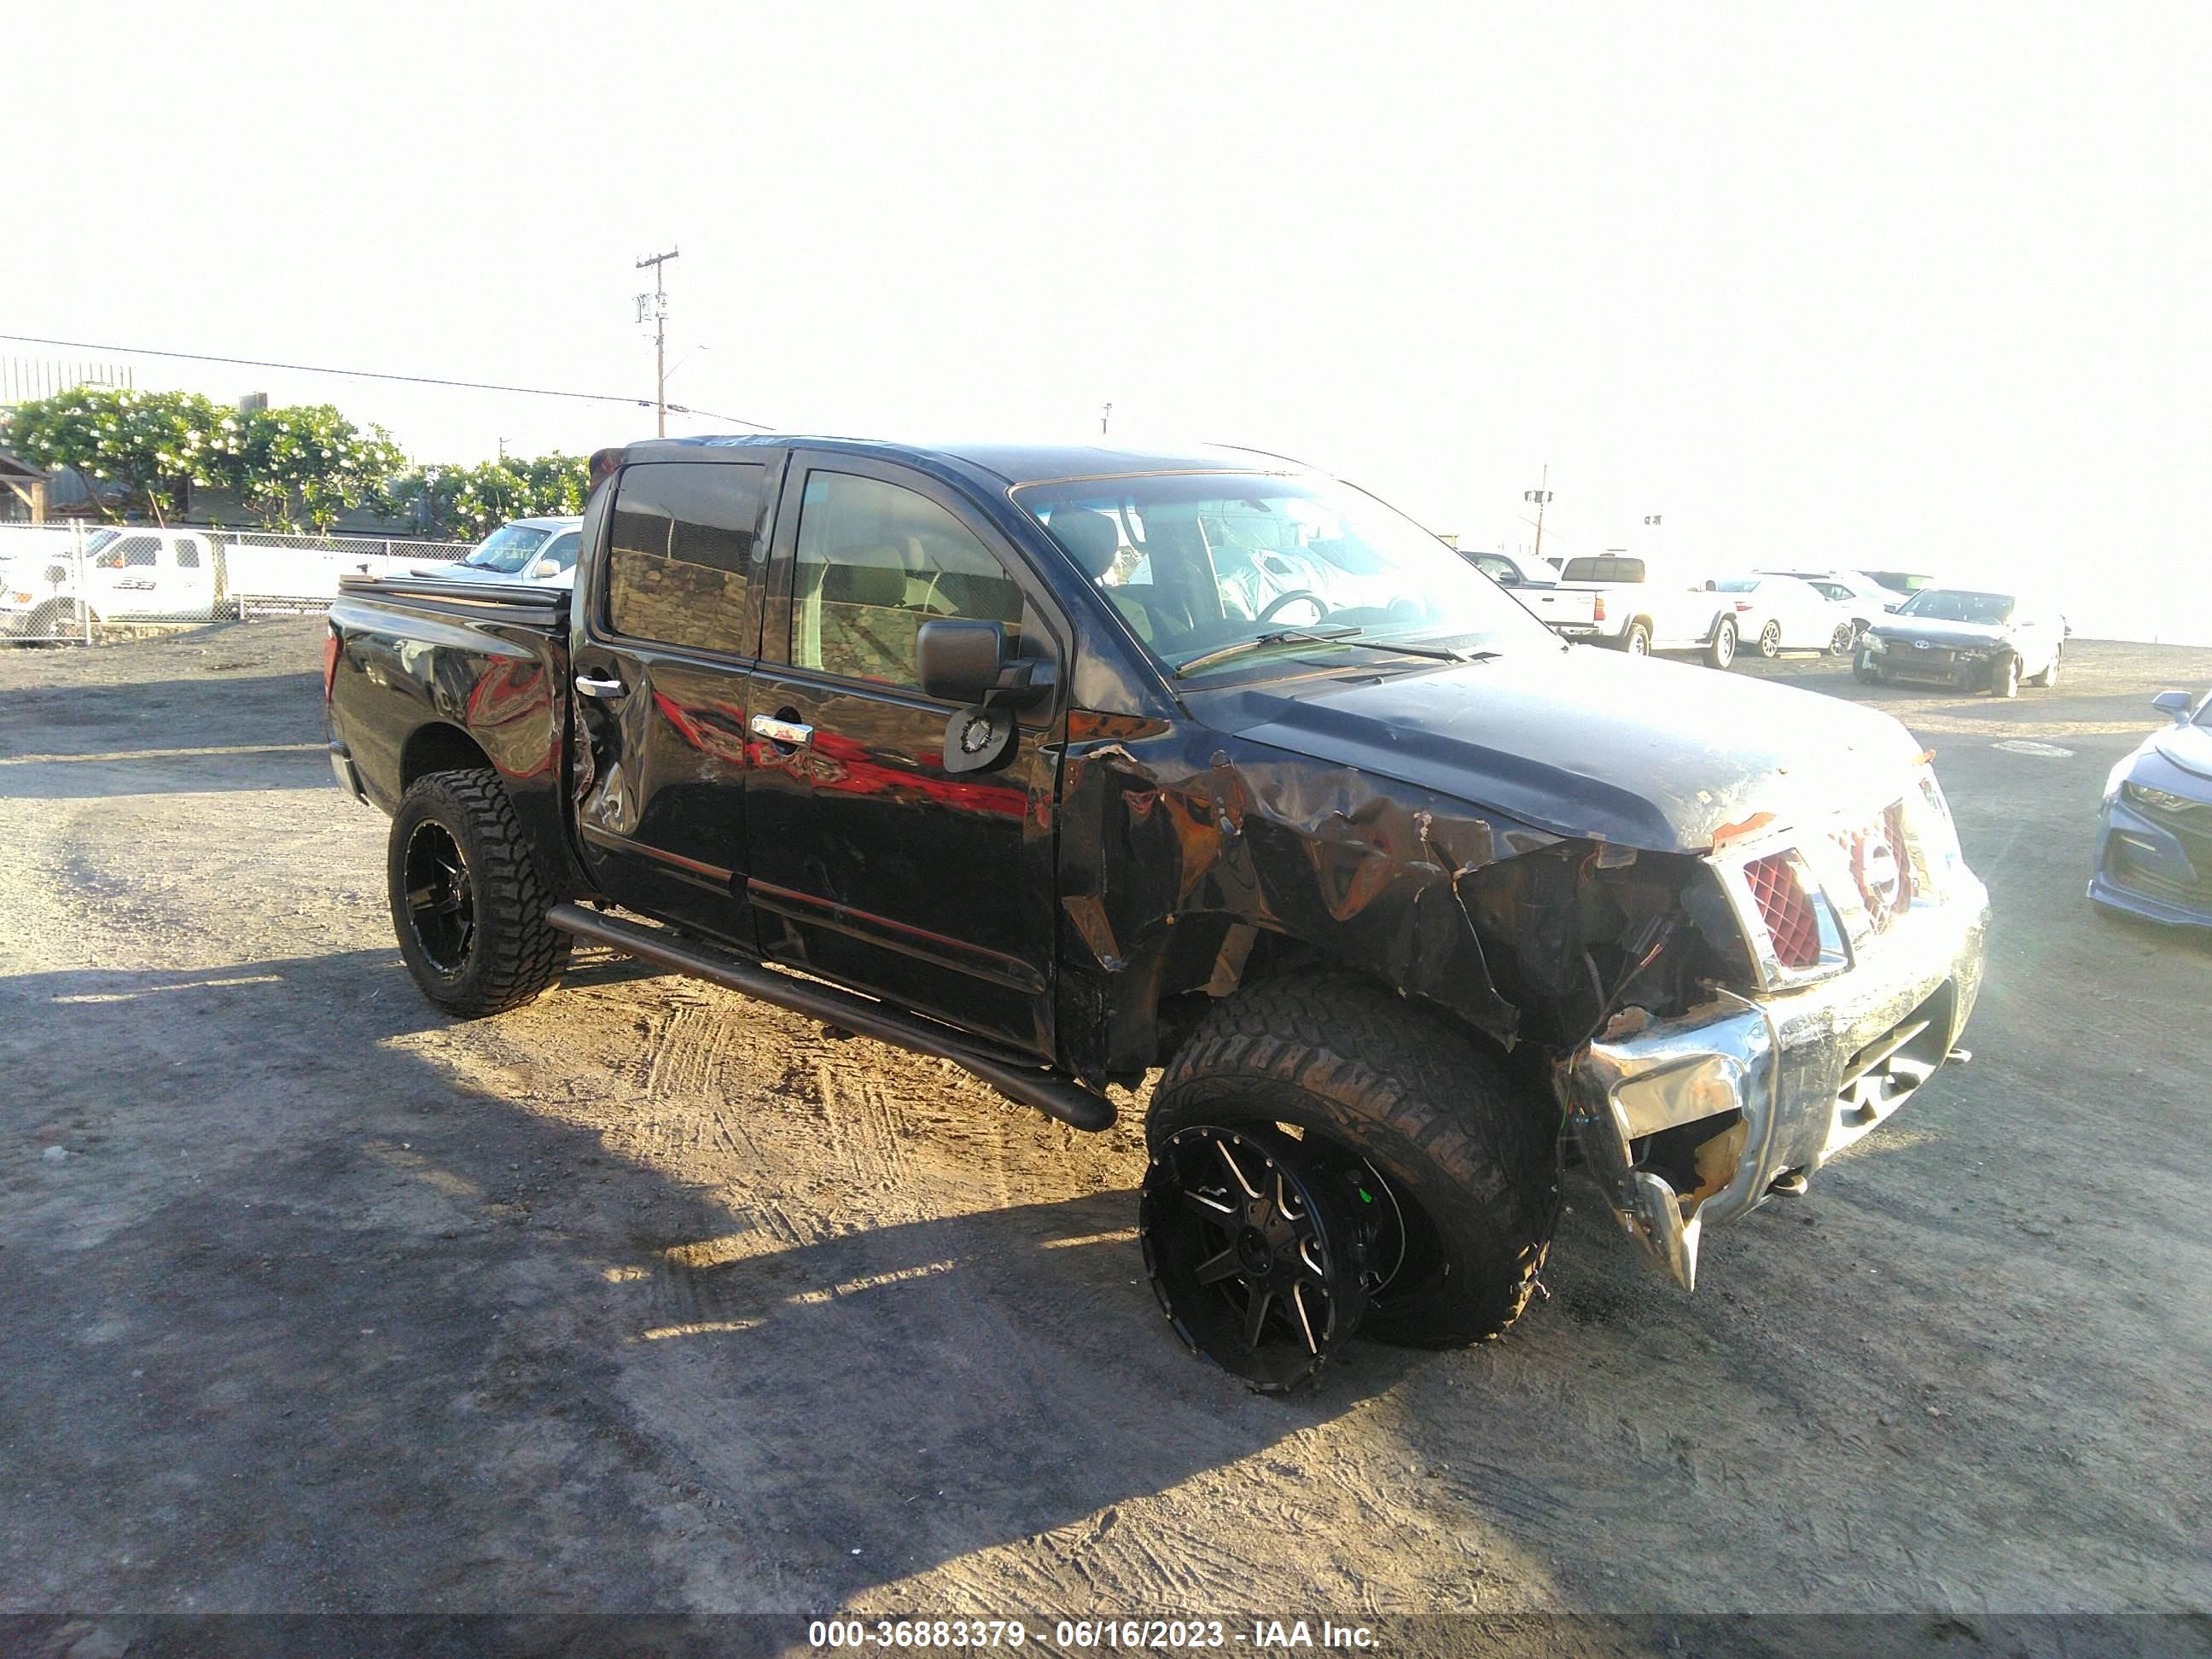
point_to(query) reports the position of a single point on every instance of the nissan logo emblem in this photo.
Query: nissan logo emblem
(1878, 870)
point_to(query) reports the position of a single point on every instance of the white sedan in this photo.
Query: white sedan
(1784, 613)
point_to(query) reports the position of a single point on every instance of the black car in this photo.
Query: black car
(1968, 638)
(1072, 764)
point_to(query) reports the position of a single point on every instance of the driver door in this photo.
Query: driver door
(870, 864)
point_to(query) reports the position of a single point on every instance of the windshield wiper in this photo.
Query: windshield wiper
(1324, 636)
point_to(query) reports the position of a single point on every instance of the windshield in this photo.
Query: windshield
(1956, 605)
(1196, 562)
(507, 548)
(99, 539)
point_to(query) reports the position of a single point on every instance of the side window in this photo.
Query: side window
(875, 562)
(132, 552)
(684, 537)
(562, 551)
(188, 553)
(1496, 569)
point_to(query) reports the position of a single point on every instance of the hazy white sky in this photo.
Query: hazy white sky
(1928, 283)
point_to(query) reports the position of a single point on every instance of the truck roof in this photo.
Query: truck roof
(1005, 463)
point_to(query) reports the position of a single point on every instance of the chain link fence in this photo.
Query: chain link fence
(75, 583)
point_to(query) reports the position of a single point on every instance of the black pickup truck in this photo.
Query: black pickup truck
(1070, 764)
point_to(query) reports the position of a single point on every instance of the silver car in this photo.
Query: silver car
(536, 552)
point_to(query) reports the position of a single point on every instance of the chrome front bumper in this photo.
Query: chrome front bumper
(1740, 1097)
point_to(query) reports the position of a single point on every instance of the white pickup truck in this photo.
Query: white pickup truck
(50, 581)
(1637, 607)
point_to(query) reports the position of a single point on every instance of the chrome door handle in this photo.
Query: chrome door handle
(790, 734)
(597, 688)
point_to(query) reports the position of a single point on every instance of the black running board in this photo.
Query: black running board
(1051, 1093)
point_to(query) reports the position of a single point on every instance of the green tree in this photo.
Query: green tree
(155, 444)
(304, 465)
(470, 503)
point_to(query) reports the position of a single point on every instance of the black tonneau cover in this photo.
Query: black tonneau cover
(545, 607)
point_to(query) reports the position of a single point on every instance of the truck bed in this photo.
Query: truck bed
(431, 672)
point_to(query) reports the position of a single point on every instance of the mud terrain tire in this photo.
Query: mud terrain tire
(505, 953)
(1470, 1161)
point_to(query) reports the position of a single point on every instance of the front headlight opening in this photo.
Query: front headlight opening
(2157, 800)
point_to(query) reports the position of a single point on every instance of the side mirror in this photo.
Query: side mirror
(2173, 703)
(968, 662)
(959, 661)
(544, 569)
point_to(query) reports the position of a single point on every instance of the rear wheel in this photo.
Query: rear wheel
(1841, 642)
(1769, 641)
(1402, 1131)
(467, 905)
(1720, 651)
(2049, 677)
(1637, 641)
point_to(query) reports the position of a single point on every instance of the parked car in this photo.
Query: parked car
(126, 573)
(528, 551)
(1638, 607)
(1781, 613)
(1966, 638)
(1508, 571)
(2154, 831)
(1864, 597)
(991, 747)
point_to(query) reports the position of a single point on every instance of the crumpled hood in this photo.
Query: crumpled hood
(1939, 632)
(2189, 747)
(1588, 742)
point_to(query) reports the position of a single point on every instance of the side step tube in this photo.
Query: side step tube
(1054, 1095)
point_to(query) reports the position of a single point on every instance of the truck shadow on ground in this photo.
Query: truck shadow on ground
(297, 1321)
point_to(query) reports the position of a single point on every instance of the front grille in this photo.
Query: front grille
(1786, 910)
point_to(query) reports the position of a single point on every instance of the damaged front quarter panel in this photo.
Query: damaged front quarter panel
(1180, 845)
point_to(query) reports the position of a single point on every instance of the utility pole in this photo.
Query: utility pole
(1105, 415)
(1540, 496)
(657, 303)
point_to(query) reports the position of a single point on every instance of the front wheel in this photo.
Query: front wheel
(1865, 670)
(1442, 1175)
(466, 901)
(2007, 683)
(1769, 641)
(57, 619)
(1720, 651)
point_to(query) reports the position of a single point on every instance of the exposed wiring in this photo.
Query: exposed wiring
(376, 374)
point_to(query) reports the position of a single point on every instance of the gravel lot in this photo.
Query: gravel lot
(650, 1297)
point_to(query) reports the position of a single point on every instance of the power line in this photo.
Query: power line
(373, 374)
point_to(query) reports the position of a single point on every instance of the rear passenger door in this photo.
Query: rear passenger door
(871, 865)
(667, 628)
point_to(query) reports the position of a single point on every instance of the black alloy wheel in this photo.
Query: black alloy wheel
(441, 907)
(1256, 1249)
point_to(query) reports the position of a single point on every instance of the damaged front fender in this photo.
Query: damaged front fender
(1172, 835)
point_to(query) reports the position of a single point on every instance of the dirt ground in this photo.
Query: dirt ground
(650, 1297)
